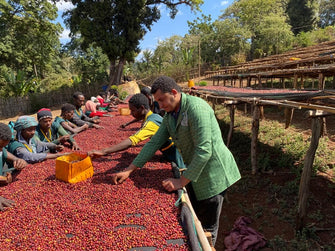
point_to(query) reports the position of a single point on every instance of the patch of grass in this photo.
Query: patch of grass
(281, 151)
(202, 83)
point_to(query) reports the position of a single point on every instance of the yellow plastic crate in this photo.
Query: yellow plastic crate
(74, 168)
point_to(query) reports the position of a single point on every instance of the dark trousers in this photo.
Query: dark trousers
(208, 211)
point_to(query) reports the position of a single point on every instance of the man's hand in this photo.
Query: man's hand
(19, 164)
(95, 153)
(5, 203)
(118, 178)
(9, 178)
(59, 148)
(97, 126)
(172, 184)
(75, 146)
(64, 138)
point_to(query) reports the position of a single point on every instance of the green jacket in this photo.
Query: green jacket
(196, 133)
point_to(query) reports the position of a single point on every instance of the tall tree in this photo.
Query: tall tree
(117, 26)
(28, 36)
(303, 15)
(251, 14)
(327, 13)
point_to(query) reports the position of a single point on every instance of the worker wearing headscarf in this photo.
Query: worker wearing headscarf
(27, 146)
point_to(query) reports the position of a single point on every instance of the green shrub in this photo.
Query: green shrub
(202, 83)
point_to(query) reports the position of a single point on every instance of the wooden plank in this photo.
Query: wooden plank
(307, 172)
(316, 113)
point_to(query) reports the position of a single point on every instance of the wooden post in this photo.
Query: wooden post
(260, 81)
(288, 116)
(261, 111)
(295, 81)
(249, 82)
(333, 82)
(245, 108)
(302, 82)
(231, 126)
(321, 82)
(324, 127)
(254, 138)
(241, 81)
(307, 171)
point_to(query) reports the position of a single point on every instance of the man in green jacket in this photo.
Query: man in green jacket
(211, 167)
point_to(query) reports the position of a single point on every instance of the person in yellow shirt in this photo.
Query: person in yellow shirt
(140, 109)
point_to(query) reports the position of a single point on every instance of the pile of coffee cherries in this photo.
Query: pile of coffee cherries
(94, 214)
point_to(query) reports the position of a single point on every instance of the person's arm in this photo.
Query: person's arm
(17, 162)
(118, 178)
(129, 123)
(46, 147)
(90, 120)
(147, 131)
(66, 126)
(54, 155)
(5, 203)
(72, 127)
(150, 148)
(172, 184)
(65, 136)
(123, 145)
(146, 153)
(23, 153)
(79, 122)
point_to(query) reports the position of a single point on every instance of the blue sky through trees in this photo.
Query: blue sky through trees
(165, 27)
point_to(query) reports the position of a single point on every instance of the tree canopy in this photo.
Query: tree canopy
(117, 26)
(28, 36)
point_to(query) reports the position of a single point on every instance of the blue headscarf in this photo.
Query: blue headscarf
(24, 122)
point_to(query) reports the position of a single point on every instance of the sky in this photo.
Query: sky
(165, 27)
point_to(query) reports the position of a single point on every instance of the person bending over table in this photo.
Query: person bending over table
(210, 166)
(140, 110)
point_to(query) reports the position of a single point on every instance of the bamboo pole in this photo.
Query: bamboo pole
(254, 138)
(307, 171)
